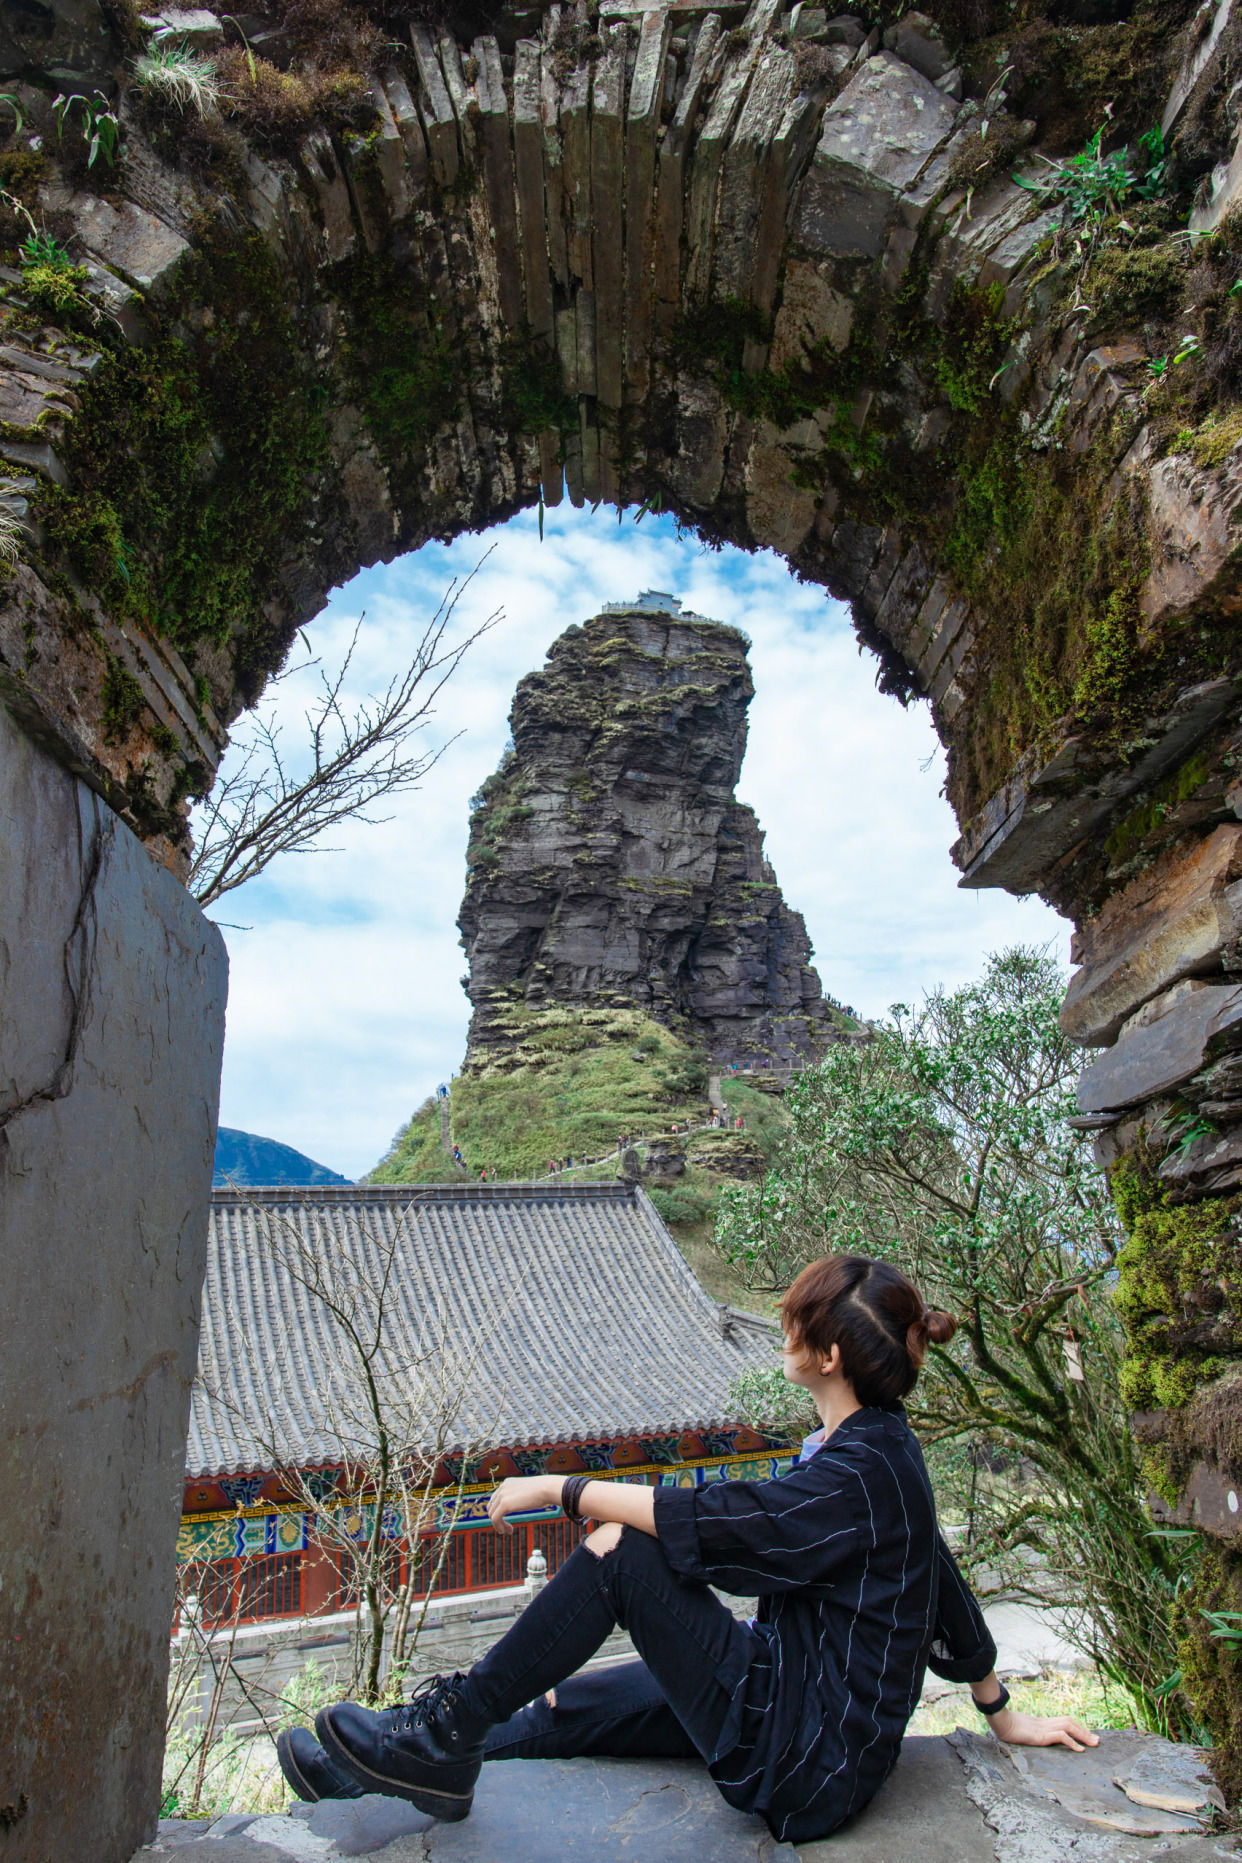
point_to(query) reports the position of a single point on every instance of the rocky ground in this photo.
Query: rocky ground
(961, 1799)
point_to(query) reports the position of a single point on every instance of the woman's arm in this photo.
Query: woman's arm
(627, 1503)
(1031, 1730)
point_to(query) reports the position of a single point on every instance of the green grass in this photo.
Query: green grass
(568, 1087)
(417, 1156)
(572, 1082)
(1084, 1693)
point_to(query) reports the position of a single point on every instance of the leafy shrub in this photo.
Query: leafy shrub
(941, 1144)
(682, 1204)
(767, 1401)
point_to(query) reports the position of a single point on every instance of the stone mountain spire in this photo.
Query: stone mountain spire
(610, 866)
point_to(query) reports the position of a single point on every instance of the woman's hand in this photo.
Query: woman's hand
(1040, 1730)
(522, 1494)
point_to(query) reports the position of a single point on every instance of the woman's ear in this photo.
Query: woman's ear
(830, 1362)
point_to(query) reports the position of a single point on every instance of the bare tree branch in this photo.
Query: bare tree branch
(265, 808)
(398, 1407)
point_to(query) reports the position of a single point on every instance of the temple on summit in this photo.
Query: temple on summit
(587, 1344)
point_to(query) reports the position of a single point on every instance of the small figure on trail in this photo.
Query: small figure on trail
(482, 1174)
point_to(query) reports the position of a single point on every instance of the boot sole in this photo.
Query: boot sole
(448, 1807)
(293, 1772)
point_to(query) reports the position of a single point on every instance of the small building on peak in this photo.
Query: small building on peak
(649, 602)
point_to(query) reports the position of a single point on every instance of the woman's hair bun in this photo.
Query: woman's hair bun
(940, 1326)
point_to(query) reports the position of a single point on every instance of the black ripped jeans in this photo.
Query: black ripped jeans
(669, 1705)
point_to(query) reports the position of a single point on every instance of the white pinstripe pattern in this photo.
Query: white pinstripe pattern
(851, 1612)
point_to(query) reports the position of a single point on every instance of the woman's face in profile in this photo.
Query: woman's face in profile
(796, 1361)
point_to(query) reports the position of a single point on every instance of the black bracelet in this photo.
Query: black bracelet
(994, 1707)
(571, 1495)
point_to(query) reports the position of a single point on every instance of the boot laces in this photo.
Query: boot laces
(429, 1700)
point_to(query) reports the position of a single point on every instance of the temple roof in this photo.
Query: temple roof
(561, 1312)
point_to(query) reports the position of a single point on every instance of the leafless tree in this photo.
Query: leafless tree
(272, 804)
(396, 1404)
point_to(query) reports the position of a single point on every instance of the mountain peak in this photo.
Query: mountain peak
(610, 864)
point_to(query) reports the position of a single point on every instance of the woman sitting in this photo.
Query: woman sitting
(799, 1715)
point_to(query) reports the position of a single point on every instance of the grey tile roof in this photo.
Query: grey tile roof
(582, 1318)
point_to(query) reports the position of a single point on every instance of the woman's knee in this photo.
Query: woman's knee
(604, 1539)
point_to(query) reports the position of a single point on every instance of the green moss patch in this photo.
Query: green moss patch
(406, 368)
(1212, 1667)
(123, 701)
(1053, 561)
(193, 459)
(1179, 1290)
(1211, 444)
(1133, 829)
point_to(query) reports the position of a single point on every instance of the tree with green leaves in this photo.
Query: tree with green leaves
(942, 1143)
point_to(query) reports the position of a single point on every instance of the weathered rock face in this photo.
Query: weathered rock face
(112, 987)
(610, 865)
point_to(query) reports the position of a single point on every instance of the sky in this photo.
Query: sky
(345, 1000)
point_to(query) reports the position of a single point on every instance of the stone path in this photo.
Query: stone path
(964, 1799)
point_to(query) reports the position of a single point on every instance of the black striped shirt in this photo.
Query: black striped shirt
(858, 1595)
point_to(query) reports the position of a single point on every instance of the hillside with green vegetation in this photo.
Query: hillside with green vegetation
(574, 1081)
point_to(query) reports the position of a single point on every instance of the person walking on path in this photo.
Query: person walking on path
(799, 1715)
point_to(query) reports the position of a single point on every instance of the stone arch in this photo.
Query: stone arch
(766, 271)
(651, 258)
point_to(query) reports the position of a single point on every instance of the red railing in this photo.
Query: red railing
(246, 1590)
(266, 1585)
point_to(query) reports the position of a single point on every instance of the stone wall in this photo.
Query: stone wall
(112, 992)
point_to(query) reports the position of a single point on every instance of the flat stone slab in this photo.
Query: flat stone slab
(960, 1799)
(1045, 1804)
(923, 1814)
(525, 1811)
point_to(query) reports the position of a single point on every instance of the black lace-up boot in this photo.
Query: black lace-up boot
(428, 1751)
(308, 1769)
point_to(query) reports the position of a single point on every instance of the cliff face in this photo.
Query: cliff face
(609, 864)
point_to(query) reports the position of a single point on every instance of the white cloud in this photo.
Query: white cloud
(345, 1009)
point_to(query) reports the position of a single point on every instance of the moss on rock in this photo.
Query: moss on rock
(1179, 1290)
(193, 459)
(1211, 1666)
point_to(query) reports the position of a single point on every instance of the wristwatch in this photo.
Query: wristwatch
(993, 1707)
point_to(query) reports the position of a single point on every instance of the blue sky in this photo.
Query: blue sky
(345, 1007)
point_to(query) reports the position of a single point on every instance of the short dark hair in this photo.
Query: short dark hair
(875, 1314)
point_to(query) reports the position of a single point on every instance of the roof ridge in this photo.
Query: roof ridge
(535, 1191)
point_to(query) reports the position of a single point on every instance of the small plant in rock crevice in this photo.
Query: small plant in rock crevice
(1092, 185)
(10, 524)
(178, 77)
(100, 126)
(51, 281)
(42, 249)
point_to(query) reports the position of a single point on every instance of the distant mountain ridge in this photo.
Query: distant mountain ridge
(245, 1158)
